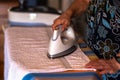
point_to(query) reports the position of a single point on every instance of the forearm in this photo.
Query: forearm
(76, 8)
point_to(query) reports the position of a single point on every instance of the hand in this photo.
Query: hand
(103, 66)
(62, 20)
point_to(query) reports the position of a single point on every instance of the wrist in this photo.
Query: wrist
(114, 64)
(68, 14)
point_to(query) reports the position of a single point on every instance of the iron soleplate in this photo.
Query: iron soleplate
(64, 53)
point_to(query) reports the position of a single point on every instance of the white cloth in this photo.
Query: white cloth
(26, 52)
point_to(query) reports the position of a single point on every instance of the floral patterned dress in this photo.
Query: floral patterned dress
(103, 30)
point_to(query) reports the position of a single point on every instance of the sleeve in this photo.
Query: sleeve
(108, 76)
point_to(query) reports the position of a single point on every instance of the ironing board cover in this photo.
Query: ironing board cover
(26, 52)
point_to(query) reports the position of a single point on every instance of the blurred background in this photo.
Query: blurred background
(59, 5)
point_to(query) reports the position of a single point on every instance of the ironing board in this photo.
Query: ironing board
(26, 53)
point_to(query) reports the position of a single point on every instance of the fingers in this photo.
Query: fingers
(65, 25)
(106, 71)
(101, 66)
(56, 23)
(95, 63)
(61, 21)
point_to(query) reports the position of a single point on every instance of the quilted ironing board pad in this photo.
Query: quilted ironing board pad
(26, 52)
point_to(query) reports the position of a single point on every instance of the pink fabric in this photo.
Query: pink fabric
(26, 52)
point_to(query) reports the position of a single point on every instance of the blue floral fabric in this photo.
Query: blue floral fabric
(115, 76)
(103, 30)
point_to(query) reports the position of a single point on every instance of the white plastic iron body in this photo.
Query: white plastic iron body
(62, 43)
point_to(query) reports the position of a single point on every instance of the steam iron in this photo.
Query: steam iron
(62, 43)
